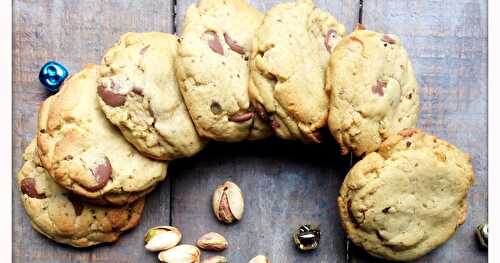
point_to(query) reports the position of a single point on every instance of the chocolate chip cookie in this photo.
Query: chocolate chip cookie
(289, 58)
(408, 198)
(84, 152)
(212, 69)
(374, 92)
(138, 93)
(59, 215)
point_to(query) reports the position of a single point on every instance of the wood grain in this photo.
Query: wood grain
(285, 183)
(74, 33)
(346, 11)
(447, 41)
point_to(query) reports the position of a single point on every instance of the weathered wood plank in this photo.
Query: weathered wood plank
(285, 184)
(346, 11)
(74, 33)
(447, 41)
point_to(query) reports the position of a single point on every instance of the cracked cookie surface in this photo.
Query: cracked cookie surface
(212, 69)
(290, 55)
(84, 152)
(374, 92)
(408, 198)
(62, 217)
(138, 93)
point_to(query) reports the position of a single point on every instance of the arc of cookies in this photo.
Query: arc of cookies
(291, 71)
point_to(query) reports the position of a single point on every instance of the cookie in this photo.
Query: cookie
(138, 93)
(62, 217)
(374, 92)
(84, 152)
(212, 69)
(289, 58)
(408, 198)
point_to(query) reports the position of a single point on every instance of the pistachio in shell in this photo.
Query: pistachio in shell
(228, 203)
(259, 259)
(215, 259)
(162, 238)
(181, 254)
(212, 241)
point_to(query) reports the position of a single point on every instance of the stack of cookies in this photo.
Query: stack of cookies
(105, 140)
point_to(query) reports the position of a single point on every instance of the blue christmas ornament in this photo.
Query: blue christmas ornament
(52, 75)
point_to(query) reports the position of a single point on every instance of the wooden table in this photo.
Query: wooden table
(285, 183)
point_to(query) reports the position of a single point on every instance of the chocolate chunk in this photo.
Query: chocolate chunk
(28, 187)
(233, 44)
(262, 112)
(138, 90)
(379, 236)
(330, 35)
(241, 116)
(110, 98)
(214, 43)
(77, 204)
(379, 88)
(102, 174)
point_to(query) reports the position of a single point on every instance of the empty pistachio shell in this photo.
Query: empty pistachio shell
(227, 202)
(180, 254)
(162, 238)
(259, 259)
(212, 241)
(215, 259)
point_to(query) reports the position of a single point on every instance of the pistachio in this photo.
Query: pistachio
(162, 238)
(215, 259)
(241, 116)
(389, 39)
(214, 42)
(227, 202)
(212, 241)
(259, 259)
(180, 254)
(330, 35)
(233, 44)
(379, 87)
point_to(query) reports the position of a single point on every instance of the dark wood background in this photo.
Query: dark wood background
(285, 183)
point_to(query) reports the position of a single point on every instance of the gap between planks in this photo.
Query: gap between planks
(172, 182)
